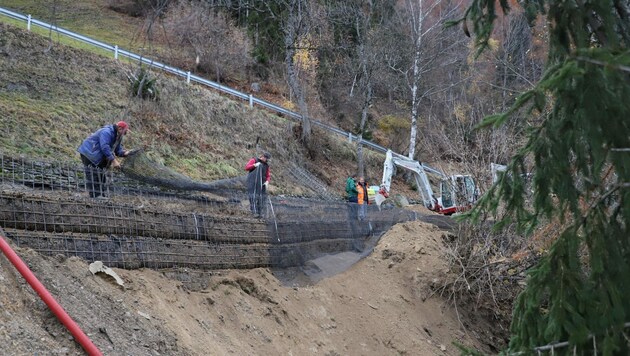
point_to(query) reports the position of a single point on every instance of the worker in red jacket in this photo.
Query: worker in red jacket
(257, 182)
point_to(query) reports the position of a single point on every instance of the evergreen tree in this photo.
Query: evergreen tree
(579, 143)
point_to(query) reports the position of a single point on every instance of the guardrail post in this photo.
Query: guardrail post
(188, 77)
(350, 137)
(251, 101)
(116, 52)
(28, 23)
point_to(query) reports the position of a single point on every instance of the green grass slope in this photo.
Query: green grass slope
(92, 18)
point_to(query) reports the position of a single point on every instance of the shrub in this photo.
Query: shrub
(136, 8)
(216, 45)
(142, 85)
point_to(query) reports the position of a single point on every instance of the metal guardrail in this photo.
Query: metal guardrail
(195, 79)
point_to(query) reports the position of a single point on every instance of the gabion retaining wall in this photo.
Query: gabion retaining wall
(44, 206)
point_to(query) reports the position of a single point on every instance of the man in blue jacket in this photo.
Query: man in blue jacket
(99, 151)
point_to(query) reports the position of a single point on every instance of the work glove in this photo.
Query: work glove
(256, 164)
(266, 184)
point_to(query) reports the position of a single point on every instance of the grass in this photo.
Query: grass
(57, 38)
(88, 18)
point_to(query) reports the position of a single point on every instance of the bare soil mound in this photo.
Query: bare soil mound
(382, 305)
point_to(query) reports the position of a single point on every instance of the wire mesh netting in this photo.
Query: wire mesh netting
(157, 218)
(139, 166)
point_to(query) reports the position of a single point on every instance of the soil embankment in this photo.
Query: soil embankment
(382, 305)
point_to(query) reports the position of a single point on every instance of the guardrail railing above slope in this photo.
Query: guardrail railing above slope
(192, 78)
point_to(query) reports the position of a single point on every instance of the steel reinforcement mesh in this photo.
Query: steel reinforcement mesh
(45, 206)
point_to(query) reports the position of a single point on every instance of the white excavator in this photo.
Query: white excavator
(457, 192)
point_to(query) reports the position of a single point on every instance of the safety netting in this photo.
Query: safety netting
(139, 166)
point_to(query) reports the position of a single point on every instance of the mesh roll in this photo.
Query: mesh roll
(139, 166)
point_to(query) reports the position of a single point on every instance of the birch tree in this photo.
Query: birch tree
(423, 21)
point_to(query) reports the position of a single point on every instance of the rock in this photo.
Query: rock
(400, 200)
(98, 266)
(255, 87)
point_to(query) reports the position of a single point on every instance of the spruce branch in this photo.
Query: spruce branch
(608, 65)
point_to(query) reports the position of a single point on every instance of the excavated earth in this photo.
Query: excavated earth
(382, 305)
(379, 299)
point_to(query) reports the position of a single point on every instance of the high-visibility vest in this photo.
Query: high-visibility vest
(362, 193)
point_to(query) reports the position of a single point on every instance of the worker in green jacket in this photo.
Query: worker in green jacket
(351, 189)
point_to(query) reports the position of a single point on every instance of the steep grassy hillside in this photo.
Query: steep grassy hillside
(52, 97)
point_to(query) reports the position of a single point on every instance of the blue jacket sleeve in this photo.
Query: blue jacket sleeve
(105, 141)
(119, 149)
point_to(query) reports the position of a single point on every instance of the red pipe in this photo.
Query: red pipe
(61, 314)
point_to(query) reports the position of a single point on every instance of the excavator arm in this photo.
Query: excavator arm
(419, 173)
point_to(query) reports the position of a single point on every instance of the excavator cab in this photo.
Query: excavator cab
(458, 193)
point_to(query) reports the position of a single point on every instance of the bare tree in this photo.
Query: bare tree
(517, 68)
(361, 37)
(366, 84)
(296, 27)
(422, 23)
(295, 19)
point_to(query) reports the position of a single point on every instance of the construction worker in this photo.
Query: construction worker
(351, 188)
(362, 197)
(99, 151)
(257, 182)
(351, 196)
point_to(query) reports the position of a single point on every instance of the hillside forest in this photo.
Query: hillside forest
(389, 71)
